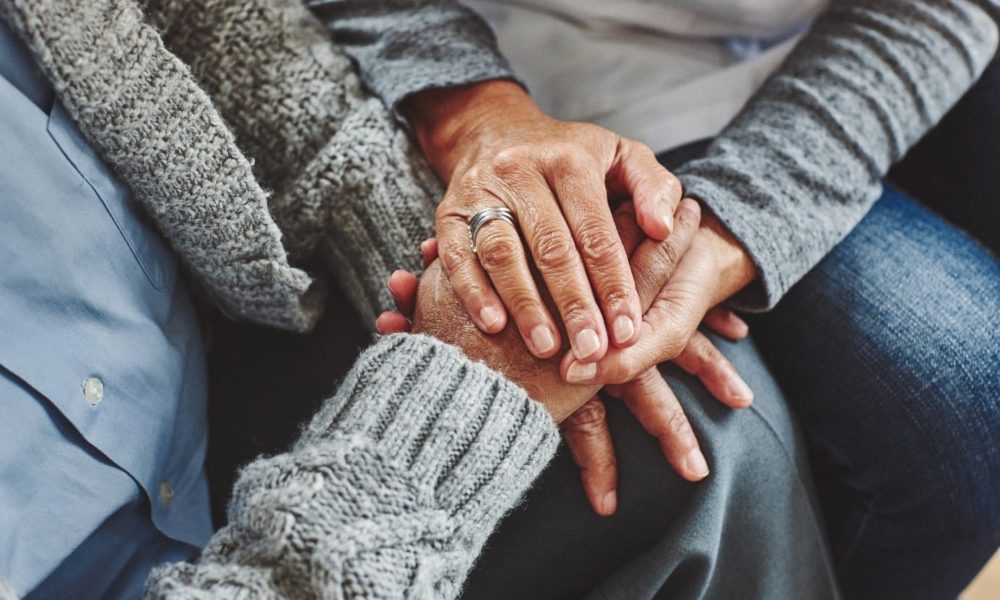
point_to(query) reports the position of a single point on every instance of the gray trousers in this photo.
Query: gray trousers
(751, 529)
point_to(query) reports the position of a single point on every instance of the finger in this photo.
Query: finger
(726, 323)
(589, 440)
(465, 274)
(429, 251)
(668, 324)
(653, 262)
(628, 229)
(703, 360)
(503, 257)
(403, 287)
(655, 190)
(583, 197)
(391, 322)
(656, 407)
(558, 262)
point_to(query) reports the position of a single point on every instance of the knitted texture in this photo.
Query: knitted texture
(143, 112)
(804, 161)
(390, 492)
(346, 179)
(395, 55)
(348, 186)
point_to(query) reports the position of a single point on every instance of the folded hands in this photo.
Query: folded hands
(609, 246)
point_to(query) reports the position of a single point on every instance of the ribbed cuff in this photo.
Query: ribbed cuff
(755, 229)
(475, 438)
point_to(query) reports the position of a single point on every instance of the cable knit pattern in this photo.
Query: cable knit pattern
(390, 492)
(394, 487)
(347, 183)
(143, 112)
(348, 186)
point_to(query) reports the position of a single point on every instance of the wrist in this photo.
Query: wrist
(448, 122)
(735, 268)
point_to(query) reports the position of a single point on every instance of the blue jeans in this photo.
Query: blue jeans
(889, 353)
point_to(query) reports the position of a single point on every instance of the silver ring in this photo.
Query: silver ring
(485, 216)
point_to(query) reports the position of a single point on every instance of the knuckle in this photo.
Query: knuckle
(690, 215)
(566, 159)
(522, 303)
(597, 243)
(638, 147)
(677, 424)
(496, 252)
(710, 354)
(699, 349)
(587, 418)
(451, 254)
(672, 185)
(552, 250)
(574, 309)
(667, 255)
(510, 161)
(616, 295)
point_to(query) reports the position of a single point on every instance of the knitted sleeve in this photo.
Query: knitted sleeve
(406, 46)
(390, 492)
(804, 161)
(349, 191)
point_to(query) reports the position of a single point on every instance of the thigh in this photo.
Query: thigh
(888, 351)
(749, 530)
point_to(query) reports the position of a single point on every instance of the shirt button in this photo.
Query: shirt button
(93, 391)
(166, 493)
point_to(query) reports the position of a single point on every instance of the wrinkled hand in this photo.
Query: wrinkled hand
(712, 269)
(648, 396)
(495, 148)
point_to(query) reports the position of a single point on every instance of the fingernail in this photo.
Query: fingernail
(580, 372)
(542, 339)
(668, 220)
(695, 463)
(738, 388)
(624, 329)
(608, 503)
(489, 316)
(586, 343)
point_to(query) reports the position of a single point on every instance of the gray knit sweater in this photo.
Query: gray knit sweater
(804, 161)
(237, 125)
(390, 492)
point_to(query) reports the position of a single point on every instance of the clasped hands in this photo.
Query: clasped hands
(630, 285)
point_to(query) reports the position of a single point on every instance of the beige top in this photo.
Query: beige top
(665, 72)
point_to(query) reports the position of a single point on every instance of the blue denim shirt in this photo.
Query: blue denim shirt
(102, 370)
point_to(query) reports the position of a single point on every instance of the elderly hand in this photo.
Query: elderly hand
(648, 396)
(714, 267)
(494, 148)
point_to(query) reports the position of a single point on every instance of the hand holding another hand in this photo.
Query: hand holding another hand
(494, 148)
(439, 313)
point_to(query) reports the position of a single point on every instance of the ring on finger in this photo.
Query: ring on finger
(485, 216)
